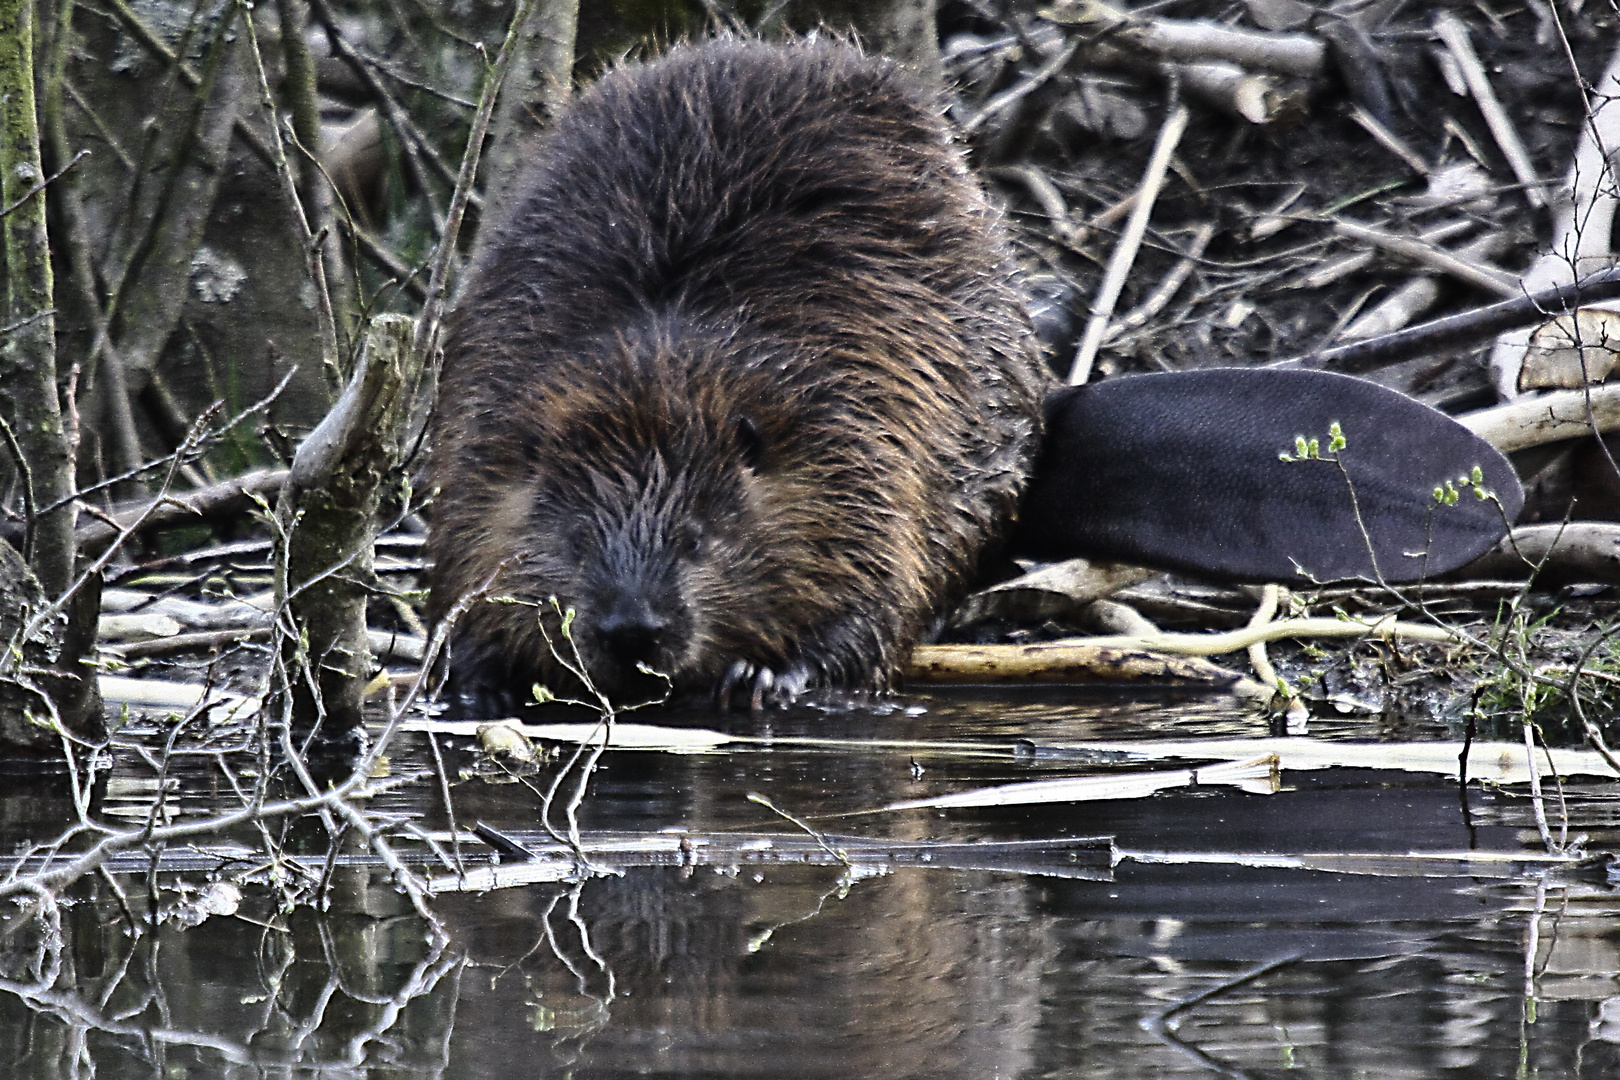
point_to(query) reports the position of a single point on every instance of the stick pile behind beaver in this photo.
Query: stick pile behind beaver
(745, 379)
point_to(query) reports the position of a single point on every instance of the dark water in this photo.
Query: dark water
(1161, 966)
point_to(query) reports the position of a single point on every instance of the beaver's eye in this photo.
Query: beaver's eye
(573, 543)
(751, 443)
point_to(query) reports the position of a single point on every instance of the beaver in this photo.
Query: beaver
(744, 378)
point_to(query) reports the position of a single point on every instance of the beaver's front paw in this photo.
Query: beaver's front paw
(756, 686)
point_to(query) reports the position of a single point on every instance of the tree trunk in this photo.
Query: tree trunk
(537, 88)
(49, 660)
(905, 30)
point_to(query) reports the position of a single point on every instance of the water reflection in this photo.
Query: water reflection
(803, 971)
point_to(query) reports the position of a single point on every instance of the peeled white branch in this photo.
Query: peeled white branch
(1580, 551)
(1416, 296)
(1255, 98)
(1196, 40)
(1545, 419)
(1583, 221)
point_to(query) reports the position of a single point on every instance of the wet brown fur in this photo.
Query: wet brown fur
(746, 363)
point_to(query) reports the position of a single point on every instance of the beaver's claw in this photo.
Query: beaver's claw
(760, 686)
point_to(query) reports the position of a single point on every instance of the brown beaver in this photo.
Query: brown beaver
(745, 379)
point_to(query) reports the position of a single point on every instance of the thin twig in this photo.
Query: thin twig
(810, 830)
(449, 804)
(58, 605)
(203, 441)
(1390, 141)
(43, 184)
(418, 148)
(30, 512)
(22, 324)
(314, 263)
(1536, 804)
(1167, 288)
(149, 38)
(1490, 279)
(1263, 614)
(1021, 89)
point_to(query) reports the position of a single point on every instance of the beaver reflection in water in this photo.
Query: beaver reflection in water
(745, 379)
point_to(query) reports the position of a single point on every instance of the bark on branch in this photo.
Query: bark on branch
(328, 513)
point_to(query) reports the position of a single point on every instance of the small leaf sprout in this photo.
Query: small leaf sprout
(1310, 449)
(1448, 493)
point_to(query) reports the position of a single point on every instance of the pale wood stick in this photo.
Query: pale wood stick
(1124, 255)
(1301, 55)
(1341, 268)
(1058, 662)
(1532, 421)
(1390, 141)
(1583, 550)
(1416, 296)
(1168, 287)
(1489, 278)
(1455, 35)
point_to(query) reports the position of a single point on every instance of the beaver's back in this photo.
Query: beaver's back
(747, 293)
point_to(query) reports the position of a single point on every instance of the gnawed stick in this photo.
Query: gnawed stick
(1417, 295)
(1583, 222)
(1533, 421)
(1579, 551)
(1488, 278)
(1131, 658)
(1061, 662)
(1301, 55)
(1460, 330)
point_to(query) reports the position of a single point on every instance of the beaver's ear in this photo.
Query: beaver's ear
(1263, 475)
(751, 442)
